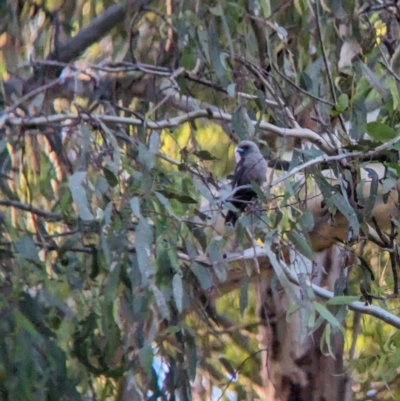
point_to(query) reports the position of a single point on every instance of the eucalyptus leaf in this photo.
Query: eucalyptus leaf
(334, 198)
(286, 284)
(203, 275)
(114, 143)
(301, 244)
(154, 142)
(145, 157)
(177, 287)
(374, 80)
(144, 243)
(373, 176)
(244, 294)
(27, 248)
(380, 132)
(326, 314)
(160, 302)
(78, 192)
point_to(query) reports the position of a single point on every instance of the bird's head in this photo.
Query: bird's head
(244, 148)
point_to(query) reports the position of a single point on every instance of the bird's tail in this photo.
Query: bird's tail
(231, 217)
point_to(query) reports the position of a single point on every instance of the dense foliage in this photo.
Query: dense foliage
(117, 279)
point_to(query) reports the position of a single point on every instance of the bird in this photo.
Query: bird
(250, 167)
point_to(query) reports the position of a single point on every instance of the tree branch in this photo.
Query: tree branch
(361, 307)
(29, 208)
(169, 123)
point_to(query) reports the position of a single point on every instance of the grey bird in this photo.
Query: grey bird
(250, 167)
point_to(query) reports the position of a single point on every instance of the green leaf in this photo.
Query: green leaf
(116, 160)
(380, 132)
(306, 221)
(135, 206)
(334, 198)
(215, 51)
(154, 142)
(146, 359)
(326, 337)
(374, 80)
(27, 248)
(145, 157)
(203, 275)
(301, 244)
(373, 175)
(177, 288)
(78, 192)
(110, 177)
(165, 202)
(266, 8)
(228, 366)
(286, 284)
(326, 314)
(342, 103)
(160, 301)
(203, 189)
(393, 91)
(178, 196)
(112, 283)
(144, 243)
(191, 355)
(238, 118)
(205, 155)
(244, 294)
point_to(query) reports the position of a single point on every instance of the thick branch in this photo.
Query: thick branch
(235, 275)
(97, 28)
(174, 122)
(361, 307)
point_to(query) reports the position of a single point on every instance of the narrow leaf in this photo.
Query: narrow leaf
(282, 276)
(160, 301)
(78, 193)
(326, 314)
(177, 288)
(300, 244)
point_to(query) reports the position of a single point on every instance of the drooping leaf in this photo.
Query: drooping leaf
(301, 244)
(183, 198)
(144, 243)
(177, 287)
(27, 248)
(286, 284)
(334, 198)
(244, 294)
(110, 176)
(371, 199)
(228, 366)
(76, 185)
(380, 132)
(326, 314)
(373, 79)
(160, 301)
(145, 157)
(116, 160)
(204, 155)
(203, 275)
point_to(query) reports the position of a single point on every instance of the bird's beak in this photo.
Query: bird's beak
(238, 154)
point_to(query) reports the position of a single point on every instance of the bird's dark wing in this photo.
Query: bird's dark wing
(237, 176)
